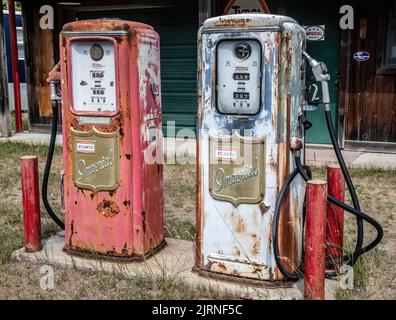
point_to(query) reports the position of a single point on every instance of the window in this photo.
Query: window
(390, 42)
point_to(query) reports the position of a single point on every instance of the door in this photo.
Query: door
(369, 90)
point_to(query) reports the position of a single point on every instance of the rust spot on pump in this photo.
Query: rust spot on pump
(256, 247)
(71, 233)
(233, 22)
(108, 208)
(240, 226)
(263, 208)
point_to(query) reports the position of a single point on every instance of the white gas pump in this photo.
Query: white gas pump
(250, 149)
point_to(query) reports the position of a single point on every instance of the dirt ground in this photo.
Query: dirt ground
(375, 273)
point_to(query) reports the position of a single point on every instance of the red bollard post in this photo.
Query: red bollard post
(335, 215)
(31, 203)
(316, 209)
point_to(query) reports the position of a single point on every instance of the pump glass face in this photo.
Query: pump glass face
(238, 77)
(96, 52)
(93, 76)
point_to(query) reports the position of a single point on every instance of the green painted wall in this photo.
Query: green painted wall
(326, 13)
(177, 25)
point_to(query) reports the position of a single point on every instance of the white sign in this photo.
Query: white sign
(86, 147)
(315, 33)
(226, 154)
(245, 6)
(239, 77)
(93, 80)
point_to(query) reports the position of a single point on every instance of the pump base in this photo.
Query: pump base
(111, 257)
(245, 281)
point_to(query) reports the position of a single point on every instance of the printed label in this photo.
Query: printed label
(361, 56)
(85, 147)
(315, 33)
(226, 154)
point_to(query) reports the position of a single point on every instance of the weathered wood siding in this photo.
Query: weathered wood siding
(367, 93)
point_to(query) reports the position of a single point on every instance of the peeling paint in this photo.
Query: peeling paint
(243, 233)
(127, 221)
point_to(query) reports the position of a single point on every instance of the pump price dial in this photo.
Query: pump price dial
(241, 76)
(93, 76)
(241, 95)
(238, 77)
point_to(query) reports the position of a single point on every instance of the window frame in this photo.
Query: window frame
(383, 28)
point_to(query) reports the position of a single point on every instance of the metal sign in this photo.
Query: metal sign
(315, 33)
(237, 169)
(246, 6)
(361, 56)
(95, 160)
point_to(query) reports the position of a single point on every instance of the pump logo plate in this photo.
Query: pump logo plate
(237, 169)
(95, 160)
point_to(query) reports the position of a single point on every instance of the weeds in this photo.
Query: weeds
(374, 272)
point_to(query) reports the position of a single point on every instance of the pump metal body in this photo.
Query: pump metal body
(251, 78)
(111, 109)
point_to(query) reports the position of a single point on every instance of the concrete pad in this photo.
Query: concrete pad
(33, 138)
(322, 157)
(375, 160)
(175, 261)
(183, 151)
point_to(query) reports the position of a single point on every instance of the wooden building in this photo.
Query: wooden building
(362, 92)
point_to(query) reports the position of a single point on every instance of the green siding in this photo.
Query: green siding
(319, 13)
(177, 25)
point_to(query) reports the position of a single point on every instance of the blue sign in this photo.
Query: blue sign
(361, 56)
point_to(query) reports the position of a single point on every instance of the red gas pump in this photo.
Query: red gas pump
(111, 114)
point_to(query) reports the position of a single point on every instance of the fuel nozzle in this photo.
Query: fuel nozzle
(321, 74)
(319, 69)
(54, 92)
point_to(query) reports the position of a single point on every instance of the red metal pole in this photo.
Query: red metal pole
(335, 215)
(15, 68)
(316, 208)
(31, 203)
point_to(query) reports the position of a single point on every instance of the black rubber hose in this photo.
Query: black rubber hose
(275, 226)
(281, 198)
(351, 187)
(44, 191)
(358, 213)
(360, 216)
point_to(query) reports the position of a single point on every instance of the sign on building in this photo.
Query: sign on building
(316, 32)
(246, 6)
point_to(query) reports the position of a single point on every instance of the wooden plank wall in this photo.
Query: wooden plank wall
(39, 59)
(367, 94)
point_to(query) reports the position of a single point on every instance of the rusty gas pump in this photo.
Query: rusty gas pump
(250, 149)
(111, 114)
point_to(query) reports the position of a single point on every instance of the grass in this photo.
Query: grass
(25, 121)
(21, 280)
(375, 272)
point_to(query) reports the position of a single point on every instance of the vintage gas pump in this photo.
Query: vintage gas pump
(250, 149)
(111, 115)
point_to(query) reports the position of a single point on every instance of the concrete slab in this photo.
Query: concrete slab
(375, 160)
(322, 157)
(175, 261)
(33, 138)
(183, 151)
